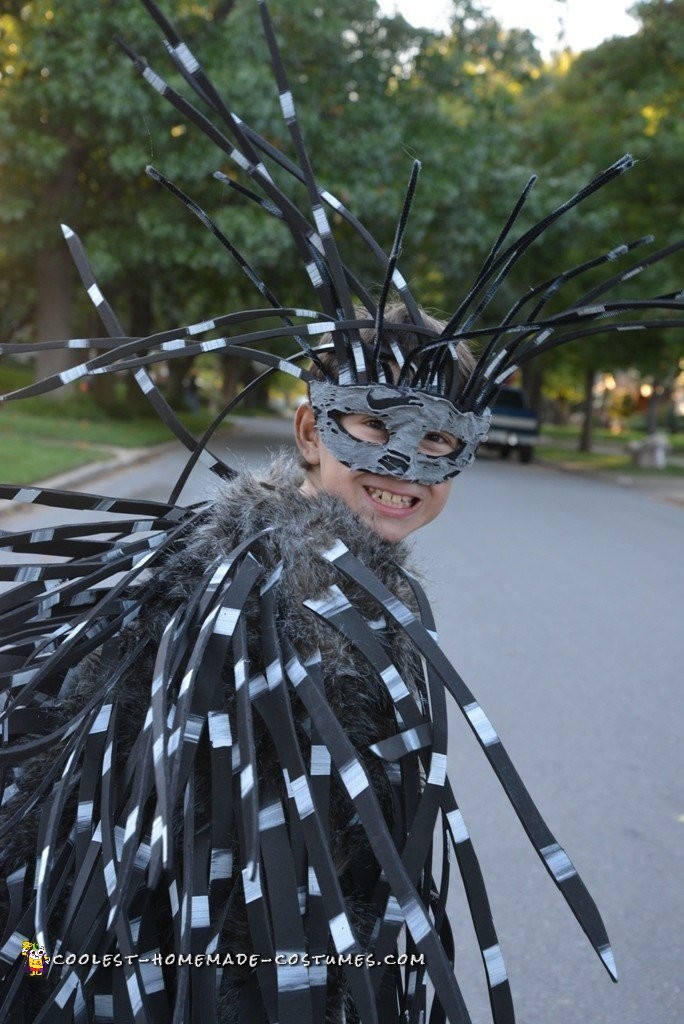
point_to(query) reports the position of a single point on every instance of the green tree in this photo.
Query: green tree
(459, 107)
(76, 130)
(62, 116)
(624, 96)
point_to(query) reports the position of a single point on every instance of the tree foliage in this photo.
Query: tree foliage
(476, 105)
(624, 96)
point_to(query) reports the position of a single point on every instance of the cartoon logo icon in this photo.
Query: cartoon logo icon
(36, 960)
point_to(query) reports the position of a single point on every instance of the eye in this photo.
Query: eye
(438, 443)
(362, 427)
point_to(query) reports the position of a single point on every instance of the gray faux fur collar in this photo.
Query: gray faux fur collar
(300, 525)
(273, 497)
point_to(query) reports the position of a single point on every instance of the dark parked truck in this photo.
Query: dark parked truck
(514, 426)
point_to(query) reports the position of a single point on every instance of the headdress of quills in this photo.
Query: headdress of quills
(378, 375)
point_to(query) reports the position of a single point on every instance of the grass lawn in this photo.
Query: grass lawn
(37, 445)
(616, 462)
(572, 433)
(26, 465)
(603, 435)
(26, 422)
(40, 438)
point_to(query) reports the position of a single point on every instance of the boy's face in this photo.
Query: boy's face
(393, 508)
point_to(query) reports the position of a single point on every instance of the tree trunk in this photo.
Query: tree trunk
(653, 408)
(141, 325)
(178, 368)
(255, 399)
(533, 380)
(586, 435)
(56, 281)
(54, 313)
(231, 375)
(561, 411)
(237, 374)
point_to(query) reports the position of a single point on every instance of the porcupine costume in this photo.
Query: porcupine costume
(224, 725)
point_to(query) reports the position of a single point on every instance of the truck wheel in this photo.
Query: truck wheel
(504, 451)
(526, 455)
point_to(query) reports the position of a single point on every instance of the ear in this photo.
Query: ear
(306, 434)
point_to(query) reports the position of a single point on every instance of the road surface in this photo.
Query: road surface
(559, 599)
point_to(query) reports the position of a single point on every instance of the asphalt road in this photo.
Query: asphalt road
(559, 599)
(560, 602)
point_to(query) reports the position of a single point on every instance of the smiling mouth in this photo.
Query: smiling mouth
(391, 500)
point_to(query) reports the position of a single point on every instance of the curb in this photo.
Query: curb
(122, 458)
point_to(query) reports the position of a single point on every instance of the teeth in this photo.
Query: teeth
(387, 498)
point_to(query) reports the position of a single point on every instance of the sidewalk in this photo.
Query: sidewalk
(604, 448)
(659, 486)
(76, 479)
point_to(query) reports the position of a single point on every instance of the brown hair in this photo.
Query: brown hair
(407, 341)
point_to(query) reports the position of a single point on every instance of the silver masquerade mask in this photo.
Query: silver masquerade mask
(408, 416)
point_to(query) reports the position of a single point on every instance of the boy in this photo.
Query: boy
(286, 520)
(248, 757)
(236, 748)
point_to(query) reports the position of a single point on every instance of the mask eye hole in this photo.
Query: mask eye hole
(439, 442)
(364, 427)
